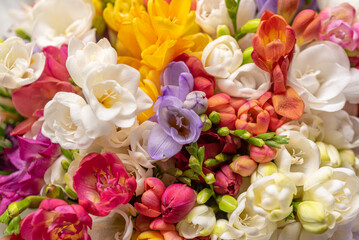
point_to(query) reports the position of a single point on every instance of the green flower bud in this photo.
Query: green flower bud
(204, 195)
(207, 124)
(210, 179)
(247, 55)
(16, 208)
(215, 117)
(256, 141)
(185, 180)
(244, 134)
(251, 26)
(223, 131)
(72, 194)
(227, 203)
(223, 157)
(223, 30)
(65, 164)
(211, 162)
(313, 217)
(194, 164)
(174, 172)
(53, 191)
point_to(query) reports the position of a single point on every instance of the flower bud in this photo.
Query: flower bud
(211, 162)
(256, 141)
(227, 182)
(329, 155)
(194, 164)
(215, 117)
(347, 156)
(242, 133)
(223, 30)
(306, 26)
(264, 169)
(210, 178)
(65, 164)
(197, 101)
(160, 225)
(247, 55)
(53, 191)
(223, 131)
(243, 166)
(204, 195)
(174, 172)
(207, 124)
(72, 194)
(262, 154)
(227, 203)
(176, 202)
(287, 9)
(313, 217)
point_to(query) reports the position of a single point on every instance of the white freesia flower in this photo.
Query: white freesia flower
(264, 169)
(224, 231)
(340, 129)
(211, 13)
(352, 89)
(84, 57)
(289, 231)
(332, 3)
(70, 122)
(222, 57)
(57, 21)
(139, 141)
(271, 196)
(113, 94)
(319, 75)
(18, 65)
(248, 81)
(55, 173)
(200, 221)
(136, 170)
(299, 158)
(250, 224)
(337, 189)
(117, 225)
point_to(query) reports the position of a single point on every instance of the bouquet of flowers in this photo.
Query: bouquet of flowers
(180, 119)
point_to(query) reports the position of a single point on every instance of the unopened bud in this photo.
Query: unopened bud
(72, 194)
(204, 195)
(53, 191)
(223, 131)
(207, 124)
(210, 179)
(223, 30)
(227, 203)
(215, 117)
(174, 172)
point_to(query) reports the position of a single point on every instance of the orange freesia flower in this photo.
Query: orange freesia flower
(273, 50)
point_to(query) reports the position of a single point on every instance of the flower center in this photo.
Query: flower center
(297, 158)
(180, 123)
(107, 182)
(108, 98)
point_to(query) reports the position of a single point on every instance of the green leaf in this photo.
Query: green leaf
(22, 34)
(192, 149)
(5, 173)
(185, 180)
(5, 93)
(201, 155)
(13, 227)
(8, 109)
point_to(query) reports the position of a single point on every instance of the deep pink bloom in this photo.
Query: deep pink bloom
(55, 65)
(55, 219)
(102, 183)
(177, 201)
(227, 182)
(31, 158)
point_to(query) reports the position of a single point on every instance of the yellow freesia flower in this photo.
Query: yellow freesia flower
(150, 235)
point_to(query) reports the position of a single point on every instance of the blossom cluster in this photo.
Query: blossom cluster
(180, 119)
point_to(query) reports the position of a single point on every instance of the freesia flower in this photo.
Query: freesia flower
(84, 57)
(299, 158)
(200, 221)
(271, 196)
(227, 182)
(322, 4)
(70, 122)
(30, 159)
(197, 101)
(306, 26)
(336, 189)
(56, 21)
(313, 73)
(102, 183)
(19, 66)
(222, 57)
(113, 94)
(55, 218)
(243, 165)
(248, 82)
(223, 230)
(351, 89)
(262, 154)
(176, 126)
(55, 66)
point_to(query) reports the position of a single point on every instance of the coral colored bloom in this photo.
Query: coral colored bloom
(262, 154)
(243, 166)
(102, 183)
(306, 26)
(227, 182)
(55, 65)
(55, 219)
(177, 201)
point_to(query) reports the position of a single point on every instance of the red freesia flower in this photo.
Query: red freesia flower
(55, 219)
(227, 182)
(55, 65)
(102, 183)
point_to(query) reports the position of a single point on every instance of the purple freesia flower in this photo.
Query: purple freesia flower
(177, 80)
(30, 158)
(176, 127)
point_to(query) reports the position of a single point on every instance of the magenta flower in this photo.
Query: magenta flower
(227, 182)
(102, 183)
(177, 201)
(31, 158)
(55, 219)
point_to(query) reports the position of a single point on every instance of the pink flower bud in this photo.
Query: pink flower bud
(243, 166)
(306, 26)
(287, 9)
(262, 154)
(177, 201)
(143, 223)
(156, 185)
(227, 182)
(160, 225)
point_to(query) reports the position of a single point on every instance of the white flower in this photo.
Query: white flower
(84, 57)
(139, 141)
(55, 174)
(250, 224)
(337, 189)
(57, 21)
(271, 196)
(224, 231)
(299, 158)
(18, 65)
(332, 3)
(222, 57)
(70, 122)
(113, 94)
(264, 169)
(136, 170)
(319, 75)
(248, 81)
(211, 13)
(117, 225)
(352, 89)
(340, 129)
(200, 221)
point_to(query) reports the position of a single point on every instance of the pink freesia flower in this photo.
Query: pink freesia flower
(55, 219)
(102, 183)
(227, 182)
(31, 158)
(262, 154)
(55, 65)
